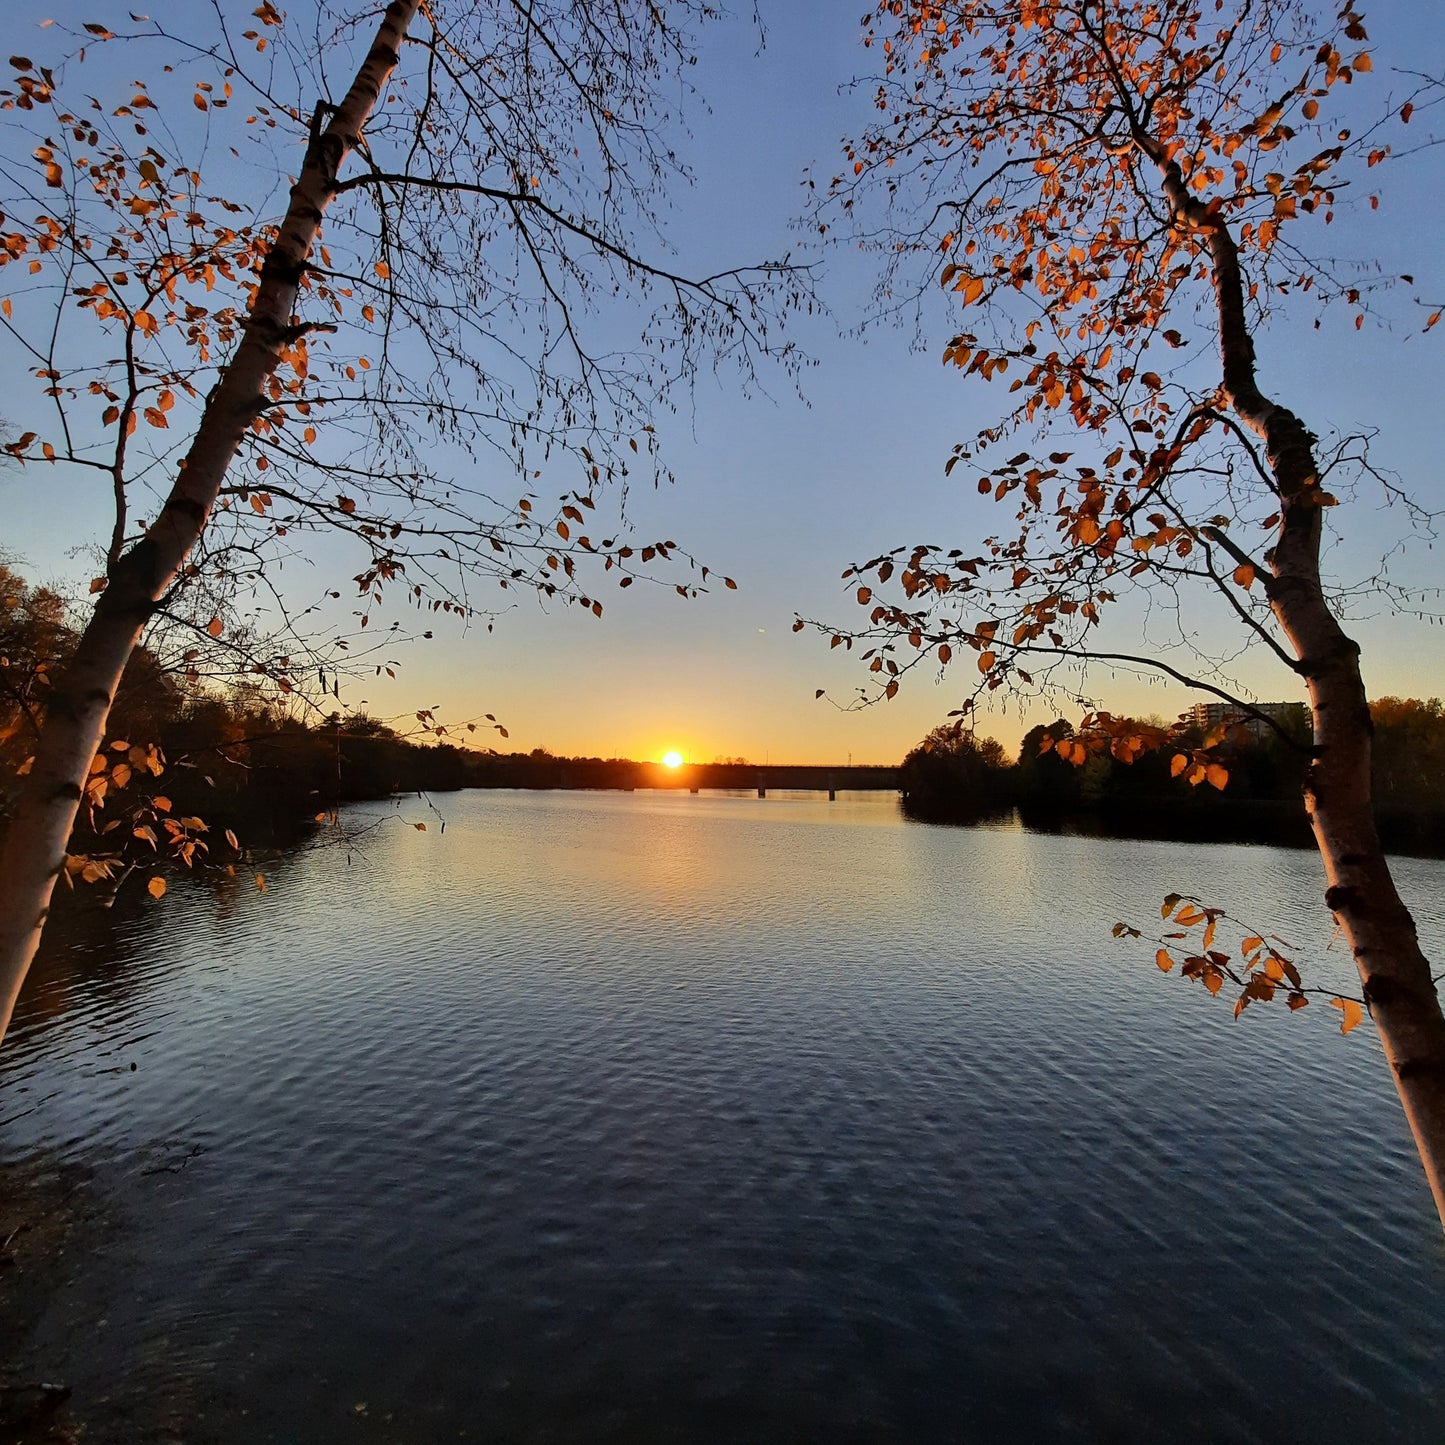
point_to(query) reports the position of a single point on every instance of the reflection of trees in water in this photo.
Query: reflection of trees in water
(83, 961)
(104, 959)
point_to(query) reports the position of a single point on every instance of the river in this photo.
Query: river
(656, 1117)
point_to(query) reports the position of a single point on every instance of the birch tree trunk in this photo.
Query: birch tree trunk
(1360, 891)
(75, 721)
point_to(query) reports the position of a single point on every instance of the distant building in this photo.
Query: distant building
(1209, 715)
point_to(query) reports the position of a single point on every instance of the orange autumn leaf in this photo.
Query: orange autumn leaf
(1352, 1012)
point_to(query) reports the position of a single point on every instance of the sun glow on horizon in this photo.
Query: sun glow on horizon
(672, 760)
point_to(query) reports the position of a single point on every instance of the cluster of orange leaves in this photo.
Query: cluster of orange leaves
(1127, 740)
(1073, 242)
(150, 821)
(167, 248)
(1263, 969)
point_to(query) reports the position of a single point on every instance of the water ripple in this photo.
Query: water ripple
(669, 1118)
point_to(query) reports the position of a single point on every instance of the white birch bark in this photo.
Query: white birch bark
(75, 721)
(1360, 892)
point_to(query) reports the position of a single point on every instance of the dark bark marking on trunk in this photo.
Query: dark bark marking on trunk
(1414, 1070)
(72, 705)
(290, 272)
(186, 506)
(1388, 992)
(1343, 896)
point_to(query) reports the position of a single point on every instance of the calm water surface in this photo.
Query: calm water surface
(656, 1117)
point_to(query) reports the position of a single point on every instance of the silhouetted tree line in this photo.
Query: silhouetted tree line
(955, 776)
(237, 759)
(240, 760)
(243, 759)
(542, 769)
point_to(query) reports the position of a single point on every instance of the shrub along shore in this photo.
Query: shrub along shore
(956, 776)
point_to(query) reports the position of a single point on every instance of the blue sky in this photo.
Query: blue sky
(782, 493)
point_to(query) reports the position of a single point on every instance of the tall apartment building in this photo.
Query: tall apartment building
(1207, 715)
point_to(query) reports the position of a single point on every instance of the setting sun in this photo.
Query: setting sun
(672, 760)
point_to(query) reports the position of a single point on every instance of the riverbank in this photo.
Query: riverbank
(1409, 833)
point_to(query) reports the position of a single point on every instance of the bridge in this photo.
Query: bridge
(520, 770)
(763, 778)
